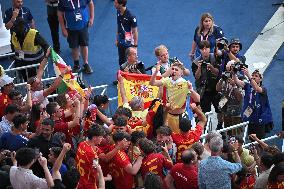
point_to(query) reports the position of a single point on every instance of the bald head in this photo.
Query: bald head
(189, 156)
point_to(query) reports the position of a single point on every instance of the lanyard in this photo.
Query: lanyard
(206, 36)
(73, 6)
(250, 97)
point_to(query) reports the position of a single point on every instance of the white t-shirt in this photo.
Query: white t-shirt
(164, 65)
(24, 178)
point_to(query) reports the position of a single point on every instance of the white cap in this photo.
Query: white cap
(229, 64)
(5, 80)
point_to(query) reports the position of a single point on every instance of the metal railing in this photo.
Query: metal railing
(14, 72)
(273, 137)
(244, 124)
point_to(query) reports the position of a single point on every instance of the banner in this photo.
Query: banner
(69, 82)
(138, 85)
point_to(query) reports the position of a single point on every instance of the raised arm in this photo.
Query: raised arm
(42, 65)
(252, 82)
(43, 162)
(237, 81)
(55, 84)
(153, 80)
(202, 118)
(77, 117)
(122, 89)
(58, 162)
(193, 94)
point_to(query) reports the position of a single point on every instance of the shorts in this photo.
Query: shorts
(78, 38)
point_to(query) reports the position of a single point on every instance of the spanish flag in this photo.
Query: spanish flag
(69, 82)
(138, 85)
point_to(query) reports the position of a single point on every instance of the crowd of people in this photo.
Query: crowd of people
(70, 142)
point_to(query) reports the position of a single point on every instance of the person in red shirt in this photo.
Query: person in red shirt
(56, 114)
(122, 171)
(7, 85)
(88, 152)
(188, 136)
(184, 175)
(152, 161)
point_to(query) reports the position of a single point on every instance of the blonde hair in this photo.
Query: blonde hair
(178, 64)
(201, 27)
(159, 49)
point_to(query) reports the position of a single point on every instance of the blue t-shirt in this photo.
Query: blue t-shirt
(259, 103)
(77, 16)
(24, 13)
(217, 33)
(12, 142)
(124, 24)
(62, 170)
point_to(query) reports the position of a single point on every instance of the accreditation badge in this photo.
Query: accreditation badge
(78, 16)
(223, 102)
(248, 111)
(21, 55)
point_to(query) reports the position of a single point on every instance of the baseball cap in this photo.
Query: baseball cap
(5, 80)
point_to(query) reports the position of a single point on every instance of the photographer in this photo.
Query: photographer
(132, 65)
(205, 71)
(256, 108)
(229, 52)
(231, 100)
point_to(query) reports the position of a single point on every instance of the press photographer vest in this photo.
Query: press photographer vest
(31, 51)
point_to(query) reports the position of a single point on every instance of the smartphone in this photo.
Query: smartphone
(96, 161)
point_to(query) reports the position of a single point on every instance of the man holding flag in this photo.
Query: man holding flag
(176, 91)
(65, 79)
(39, 94)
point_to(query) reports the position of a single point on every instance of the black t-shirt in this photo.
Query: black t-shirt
(43, 145)
(125, 23)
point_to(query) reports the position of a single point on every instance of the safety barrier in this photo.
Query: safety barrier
(244, 124)
(245, 135)
(14, 72)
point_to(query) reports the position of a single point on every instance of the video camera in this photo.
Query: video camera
(221, 42)
(238, 66)
(226, 75)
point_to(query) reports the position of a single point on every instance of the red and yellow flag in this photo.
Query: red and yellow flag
(138, 85)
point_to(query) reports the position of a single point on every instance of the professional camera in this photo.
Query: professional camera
(238, 66)
(226, 75)
(204, 64)
(221, 42)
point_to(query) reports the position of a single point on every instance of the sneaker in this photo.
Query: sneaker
(87, 69)
(76, 68)
(115, 82)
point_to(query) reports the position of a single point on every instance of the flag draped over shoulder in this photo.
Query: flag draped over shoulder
(138, 85)
(69, 82)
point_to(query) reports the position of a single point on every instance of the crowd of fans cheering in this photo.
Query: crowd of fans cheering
(70, 142)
